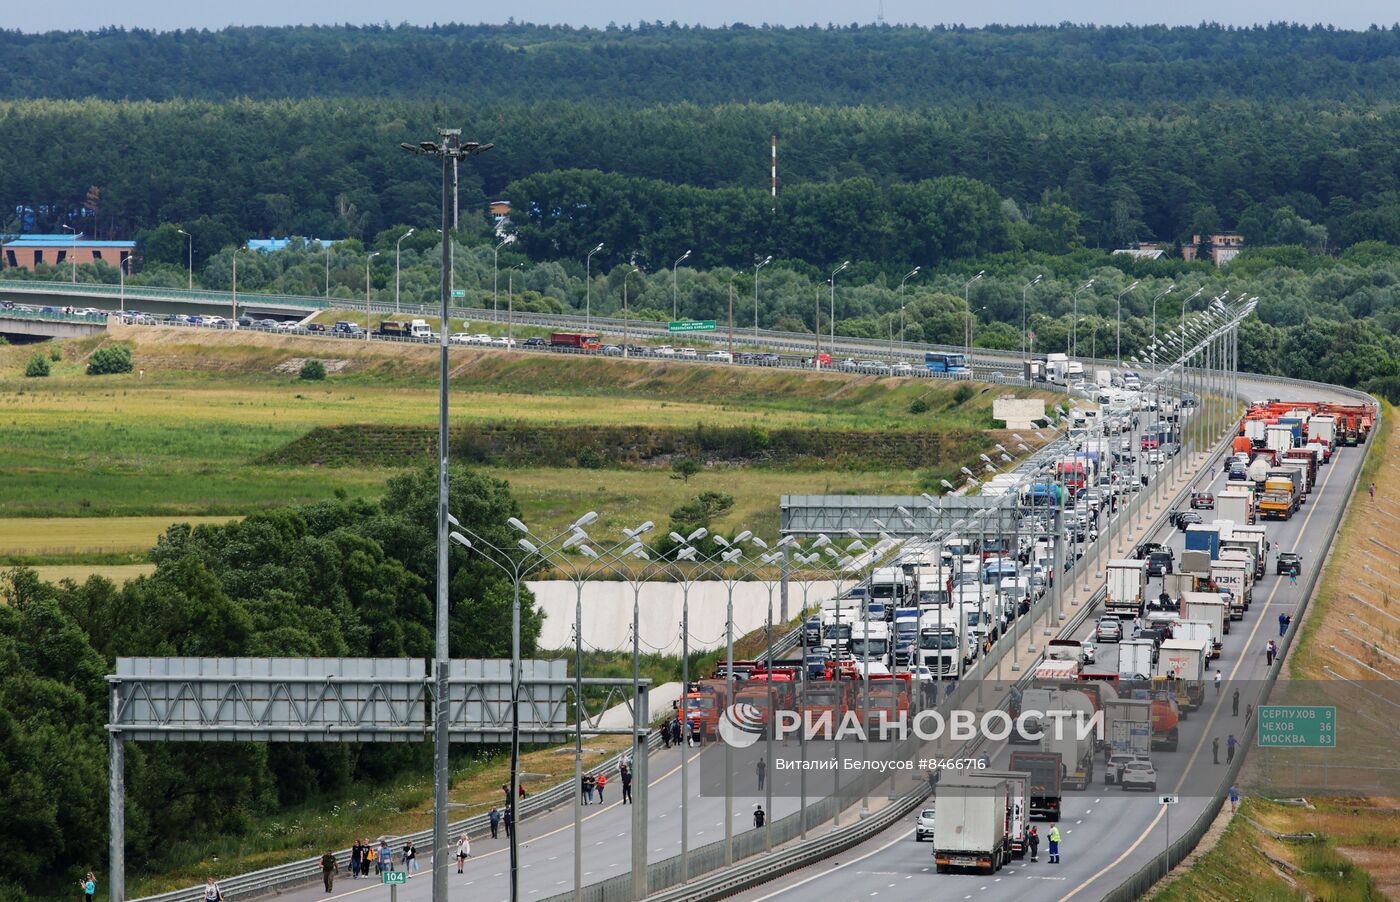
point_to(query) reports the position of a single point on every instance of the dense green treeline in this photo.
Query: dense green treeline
(648, 63)
(339, 578)
(320, 167)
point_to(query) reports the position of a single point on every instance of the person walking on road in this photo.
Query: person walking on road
(495, 818)
(1282, 624)
(1234, 798)
(1293, 578)
(1372, 489)
(1235, 704)
(588, 783)
(357, 854)
(89, 887)
(665, 730)
(1215, 749)
(600, 784)
(385, 856)
(625, 774)
(212, 893)
(1270, 651)
(410, 857)
(510, 821)
(1034, 840)
(1230, 744)
(758, 816)
(464, 850)
(1217, 679)
(329, 869)
(1055, 844)
(761, 769)
(676, 732)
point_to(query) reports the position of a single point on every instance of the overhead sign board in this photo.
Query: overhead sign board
(696, 325)
(1297, 726)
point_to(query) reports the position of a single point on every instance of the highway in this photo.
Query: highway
(547, 841)
(1108, 835)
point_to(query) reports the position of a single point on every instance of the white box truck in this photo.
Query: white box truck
(1235, 505)
(1135, 659)
(1185, 661)
(1018, 807)
(1129, 725)
(1232, 576)
(1196, 631)
(1210, 607)
(1127, 588)
(1322, 429)
(1076, 752)
(970, 828)
(1278, 438)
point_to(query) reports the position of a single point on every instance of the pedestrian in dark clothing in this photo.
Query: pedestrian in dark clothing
(357, 854)
(1270, 651)
(588, 784)
(666, 734)
(761, 768)
(626, 776)
(758, 816)
(1282, 624)
(1235, 704)
(1215, 749)
(495, 822)
(697, 736)
(1230, 748)
(510, 821)
(676, 734)
(1248, 712)
(1035, 844)
(329, 869)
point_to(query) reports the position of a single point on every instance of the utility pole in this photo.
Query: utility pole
(449, 149)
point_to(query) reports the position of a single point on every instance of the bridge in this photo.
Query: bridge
(38, 324)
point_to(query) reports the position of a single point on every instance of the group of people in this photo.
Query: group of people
(673, 731)
(365, 854)
(594, 783)
(1033, 840)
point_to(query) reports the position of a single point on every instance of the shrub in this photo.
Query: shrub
(962, 395)
(918, 405)
(108, 360)
(590, 459)
(37, 366)
(684, 468)
(313, 371)
(55, 354)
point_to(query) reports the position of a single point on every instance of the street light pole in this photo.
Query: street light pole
(368, 322)
(495, 276)
(756, 267)
(121, 275)
(625, 277)
(674, 299)
(832, 349)
(1165, 292)
(588, 286)
(447, 149)
(967, 326)
(1074, 320)
(397, 245)
(189, 240)
(1119, 302)
(1024, 289)
(328, 268)
(913, 272)
(510, 305)
(73, 253)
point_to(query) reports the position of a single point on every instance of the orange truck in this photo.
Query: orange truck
(882, 697)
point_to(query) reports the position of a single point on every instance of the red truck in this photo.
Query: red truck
(581, 340)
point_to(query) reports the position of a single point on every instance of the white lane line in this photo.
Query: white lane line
(876, 851)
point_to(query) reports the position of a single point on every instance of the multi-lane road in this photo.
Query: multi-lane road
(1107, 834)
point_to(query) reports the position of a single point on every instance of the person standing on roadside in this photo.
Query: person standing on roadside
(1215, 749)
(1055, 844)
(625, 774)
(212, 893)
(357, 853)
(1235, 704)
(464, 850)
(758, 816)
(495, 818)
(410, 857)
(761, 769)
(1035, 844)
(89, 887)
(1230, 745)
(329, 868)
(1217, 682)
(1270, 651)
(588, 783)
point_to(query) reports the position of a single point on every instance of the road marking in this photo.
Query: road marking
(898, 839)
(1216, 711)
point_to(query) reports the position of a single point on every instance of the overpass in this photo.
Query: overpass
(39, 325)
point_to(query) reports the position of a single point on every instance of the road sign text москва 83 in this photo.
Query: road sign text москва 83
(1297, 726)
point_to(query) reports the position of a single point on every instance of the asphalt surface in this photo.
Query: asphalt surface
(1107, 835)
(547, 841)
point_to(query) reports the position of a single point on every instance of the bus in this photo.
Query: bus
(945, 363)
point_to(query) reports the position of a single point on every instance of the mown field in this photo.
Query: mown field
(182, 436)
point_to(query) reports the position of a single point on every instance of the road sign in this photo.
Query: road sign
(1168, 800)
(692, 325)
(1297, 726)
(399, 877)
(458, 293)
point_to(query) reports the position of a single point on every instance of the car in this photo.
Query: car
(718, 356)
(267, 324)
(1238, 474)
(1159, 563)
(1142, 552)
(847, 363)
(1109, 629)
(1087, 653)
(901, 369)
(1289, 563)
(923, 827)
(315, 327)
(246, 322)
(664, 351)
(459, 338)
(1138, 774)
(611, 350)
(535, 342)
(1202, 501)
(1113, 768)
(289, 325)
(502, 341)
(1187, 518)
(1155, 458)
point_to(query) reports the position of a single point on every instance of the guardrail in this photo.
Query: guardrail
(1161, 864)
(21, 313)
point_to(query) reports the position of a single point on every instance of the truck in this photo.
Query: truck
(1018, 809)
(1184, 662)
(1235, 504)
(1057, 368)
(970, 828)
(870, 640)
(1210, 607)
(1293, 473)
(584, 341)
(1259, 469)
(1128, 722)
(940, 645)
(1233, 576)
(1076, 752)
(1279, 437)
(1302, 476)
(1204, 537)
(1197, 631)
(1251, 545)
(1127, 588)
(890, 584)
(1044, 789)
(1307, 457)
(1279, 500)
(1135, 659)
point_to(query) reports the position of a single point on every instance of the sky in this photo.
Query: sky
(165, 14)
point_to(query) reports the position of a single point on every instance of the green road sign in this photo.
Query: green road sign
(1297, 726)
(458, 293)
(399, 877)
(692, 325)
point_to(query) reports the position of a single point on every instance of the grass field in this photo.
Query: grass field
(177, 438)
